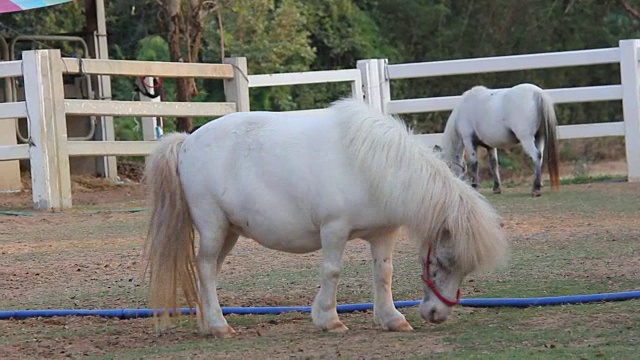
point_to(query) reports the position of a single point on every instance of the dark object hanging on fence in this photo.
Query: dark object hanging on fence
(141, 86)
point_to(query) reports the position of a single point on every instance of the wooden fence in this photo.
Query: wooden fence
(46, 108)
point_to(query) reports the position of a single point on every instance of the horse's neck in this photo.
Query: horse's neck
(402, 174)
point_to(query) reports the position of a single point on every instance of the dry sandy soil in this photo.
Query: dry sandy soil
(91, 259)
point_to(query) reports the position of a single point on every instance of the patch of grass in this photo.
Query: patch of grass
(592, 330)
(98, 297)
(572, 199)
(573, 180)
(588, 179)
(274, 279)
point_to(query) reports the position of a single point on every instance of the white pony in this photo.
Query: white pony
(299, 184)
(499, 119)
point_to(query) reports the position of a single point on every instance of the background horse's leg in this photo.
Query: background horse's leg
(493, 167)
(540, 139)
(530, 148)
(472, 149)
(384, 311)
(324, 312)
(215, 243)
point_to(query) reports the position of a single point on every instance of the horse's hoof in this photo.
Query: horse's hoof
(536, 193)
(221, 332)
(336, 327)
(399, 325)
(497, 191)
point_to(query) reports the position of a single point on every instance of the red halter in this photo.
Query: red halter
(432, 286)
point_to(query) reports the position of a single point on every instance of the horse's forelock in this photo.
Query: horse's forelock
(476, 228)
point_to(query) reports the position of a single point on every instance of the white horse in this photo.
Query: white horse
(298, 184)
(499, 119)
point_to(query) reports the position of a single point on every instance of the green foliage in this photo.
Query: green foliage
(128, 128)
(153, 48)
(287, 36)
(342, 33)
(274, 38)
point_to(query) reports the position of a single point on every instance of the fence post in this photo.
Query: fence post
(385, 84)
(630, 80)
(49, 157)
(237, 89)
(357, 88)
(370, 82)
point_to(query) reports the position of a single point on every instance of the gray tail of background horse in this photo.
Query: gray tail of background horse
(552, 157)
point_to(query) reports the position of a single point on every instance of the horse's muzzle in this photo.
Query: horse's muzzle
(434, 313)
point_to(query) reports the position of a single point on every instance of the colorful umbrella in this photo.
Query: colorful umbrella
(7, 6)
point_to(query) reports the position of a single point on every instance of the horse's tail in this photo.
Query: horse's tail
(169, 247)
(552, 158)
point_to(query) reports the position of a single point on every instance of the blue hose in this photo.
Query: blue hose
(473, 302)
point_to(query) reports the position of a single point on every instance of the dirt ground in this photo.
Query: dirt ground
(91, 259)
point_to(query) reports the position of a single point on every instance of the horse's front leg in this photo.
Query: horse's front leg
(472, 149)
(540, 145)
(333, 238)
(384, 311)
(493, 166)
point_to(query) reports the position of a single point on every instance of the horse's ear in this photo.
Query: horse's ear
(437, 148)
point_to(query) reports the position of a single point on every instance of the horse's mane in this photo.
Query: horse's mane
(412, 184)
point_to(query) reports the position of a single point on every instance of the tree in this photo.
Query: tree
(274, 39)
(630, 9)
(185, 20)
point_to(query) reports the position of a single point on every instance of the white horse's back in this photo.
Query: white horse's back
(262, 169)
(499, 116)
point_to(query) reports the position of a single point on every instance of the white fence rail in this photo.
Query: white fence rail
(627, 91)
(505, 63)
(559, 96)
(9, 111)
(352, 76)
(135, 108)
(46, 109)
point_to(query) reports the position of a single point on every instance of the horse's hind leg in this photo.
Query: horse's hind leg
(530, 148)
(324, 312)
(215, 243)
(493, 167)
(384, 311)
(229, 243)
